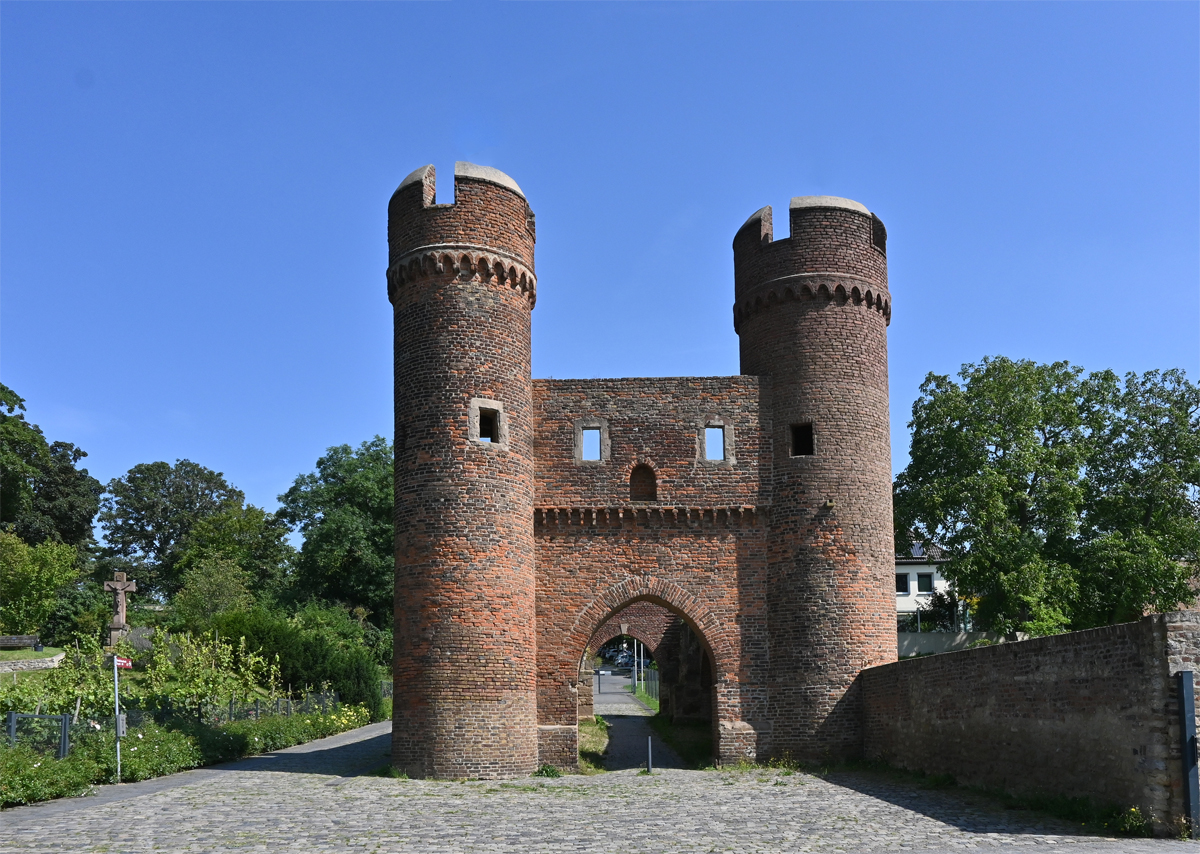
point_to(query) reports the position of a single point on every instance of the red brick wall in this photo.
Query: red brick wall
(655, 421)
(819, 346)
(1086, 714)
(465, 643)
(706, 566)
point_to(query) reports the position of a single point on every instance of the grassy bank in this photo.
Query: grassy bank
(593, 742)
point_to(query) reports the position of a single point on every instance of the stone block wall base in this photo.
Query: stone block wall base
(741, 741)
(559, 746)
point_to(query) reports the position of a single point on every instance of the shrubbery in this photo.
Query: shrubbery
(318, 646)
(151, 750)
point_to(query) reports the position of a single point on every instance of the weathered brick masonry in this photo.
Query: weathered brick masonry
(513, 549)
(1090, 713)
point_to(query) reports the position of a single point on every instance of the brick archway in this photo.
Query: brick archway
(642, 620)
(659, 591)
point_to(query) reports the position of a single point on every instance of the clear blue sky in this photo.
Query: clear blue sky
(193, 196)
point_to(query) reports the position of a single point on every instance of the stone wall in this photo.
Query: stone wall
(1086, 714)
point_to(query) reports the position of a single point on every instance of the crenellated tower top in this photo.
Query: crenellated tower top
(835, 245)
(487, 233)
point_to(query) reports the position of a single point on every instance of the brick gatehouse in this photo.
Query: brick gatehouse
(756, 509)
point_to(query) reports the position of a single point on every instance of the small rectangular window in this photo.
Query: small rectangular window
(902, 582)
(714, 443)
(802, 440)
(924, 582)
(489, 425)
(591, 443)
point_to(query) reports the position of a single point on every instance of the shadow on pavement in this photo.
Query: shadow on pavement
(973, 812)
(627, 745)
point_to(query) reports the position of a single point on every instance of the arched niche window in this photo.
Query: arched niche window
(642, 484)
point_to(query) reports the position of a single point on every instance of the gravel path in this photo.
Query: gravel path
(314, 798)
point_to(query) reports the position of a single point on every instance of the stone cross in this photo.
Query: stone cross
(118, 587)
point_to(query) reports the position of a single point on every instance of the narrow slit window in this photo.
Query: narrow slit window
(802, 440)
(489, 425)
(591, 443)
(714, 443)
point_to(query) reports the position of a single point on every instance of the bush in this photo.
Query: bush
(148, 751)
(27, 777)
(153, 751)
(320, 646)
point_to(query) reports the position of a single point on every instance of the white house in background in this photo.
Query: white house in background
(917, 577)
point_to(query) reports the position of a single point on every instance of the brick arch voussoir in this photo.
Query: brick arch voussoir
(670, 596)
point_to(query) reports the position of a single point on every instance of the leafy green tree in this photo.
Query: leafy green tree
(250, 537)
(211, 585)
(43, 494)
(147, 514)
(30, 578)
(344, 511)
(1140, 536)
(1062, 501)
(994, 479)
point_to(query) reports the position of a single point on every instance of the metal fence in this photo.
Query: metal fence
(650, 685)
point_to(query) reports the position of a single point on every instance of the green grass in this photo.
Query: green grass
(26, 654)
(593, 742)
(646, 698)
(692, 740)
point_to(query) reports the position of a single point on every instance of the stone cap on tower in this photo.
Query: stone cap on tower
(488, 227)
(833, 243)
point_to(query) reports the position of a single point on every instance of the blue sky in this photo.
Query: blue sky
(193, 196)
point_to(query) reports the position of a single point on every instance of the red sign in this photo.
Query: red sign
(124, 663)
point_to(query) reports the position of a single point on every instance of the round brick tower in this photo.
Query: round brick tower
(461, 283)
(811, 313)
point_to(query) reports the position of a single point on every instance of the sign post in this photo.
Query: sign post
(118, 718)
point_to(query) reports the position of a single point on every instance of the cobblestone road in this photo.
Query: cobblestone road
(318, 798)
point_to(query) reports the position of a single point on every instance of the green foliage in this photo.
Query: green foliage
(344, 510)
(43, 495)
(1140, 526)
(81, 609)
(27, 777)
(247, 537)
(547, 771)
(207, 669)
(30, 578)
(319, 645)
(147, 514)
(147, 751)
(1063, 501)
(150, 750)
(83, 674)
(211, 585)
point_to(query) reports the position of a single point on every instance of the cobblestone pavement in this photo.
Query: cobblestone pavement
(317, 798)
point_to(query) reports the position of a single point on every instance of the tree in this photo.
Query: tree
(1140, 529)
(251, 538)
(994, 480)
(344, 511)
(1062, 501)
(30, 578)
(43, 495)
(212, 585)
(147, 514)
